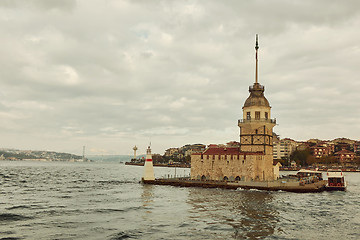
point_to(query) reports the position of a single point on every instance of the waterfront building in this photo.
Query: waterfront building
(345, 156)
(283, 148)
(252, 158)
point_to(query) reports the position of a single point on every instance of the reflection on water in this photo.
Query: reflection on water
(259, 215)
(248, 214)
(147, 197)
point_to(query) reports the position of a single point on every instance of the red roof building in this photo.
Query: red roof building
(345, 156)
(322, 149)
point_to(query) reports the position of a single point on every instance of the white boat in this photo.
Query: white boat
(309, 176)
(336, 181)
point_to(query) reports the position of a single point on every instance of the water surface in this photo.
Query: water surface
(54, 200)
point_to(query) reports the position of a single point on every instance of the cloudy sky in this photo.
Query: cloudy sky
(109, 74)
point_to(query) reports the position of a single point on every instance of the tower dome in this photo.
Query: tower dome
(256, 97)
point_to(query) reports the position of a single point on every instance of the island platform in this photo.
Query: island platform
(278, 185)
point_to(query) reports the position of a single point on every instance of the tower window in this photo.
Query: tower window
(248, 116)
(257, 115)
(266, 115)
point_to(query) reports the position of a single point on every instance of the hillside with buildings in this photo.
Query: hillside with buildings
(313, 152)
(339, 151)
(173, 156)
(110, 158)
(31, 155)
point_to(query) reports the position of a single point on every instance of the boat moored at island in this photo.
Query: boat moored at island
(336, 181)
(309, 176)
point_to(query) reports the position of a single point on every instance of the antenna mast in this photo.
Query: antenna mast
(256, 57)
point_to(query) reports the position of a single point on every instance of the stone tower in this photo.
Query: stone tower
(252, 159)
(256, 126)
(135, 149)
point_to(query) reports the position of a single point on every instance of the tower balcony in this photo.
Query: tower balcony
(256, 86)
(253, 120)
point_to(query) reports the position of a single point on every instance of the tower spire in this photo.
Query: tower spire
(256, 57)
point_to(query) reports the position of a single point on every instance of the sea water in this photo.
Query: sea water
(63, 200)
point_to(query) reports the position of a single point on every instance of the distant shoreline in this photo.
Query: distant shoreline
(318, 169)
(281, 169)
(159, 165)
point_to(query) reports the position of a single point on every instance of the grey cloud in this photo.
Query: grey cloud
(39, 4)
(111, 74)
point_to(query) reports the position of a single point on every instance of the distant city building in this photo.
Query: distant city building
(194, 148)
(302, 146)
(345, 156)
(282, 149)
(338, 141)
(357, 148)
(30, 155)
(171, 152)
(313, 141)
(343, 145)
(322, 149)
(184, 151)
